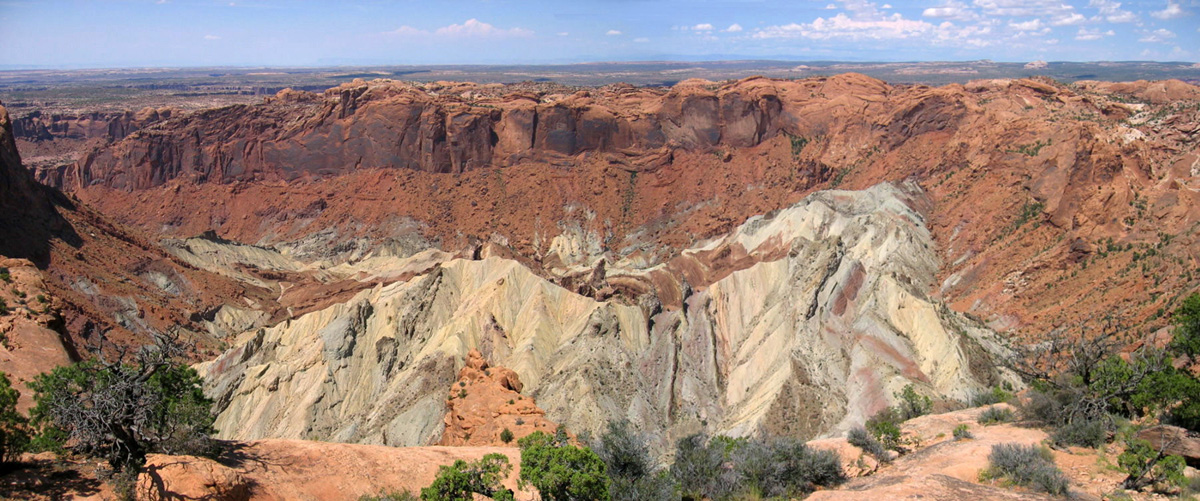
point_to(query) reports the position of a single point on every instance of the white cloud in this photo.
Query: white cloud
(703, 27)
(1112, 12)
(211, 37)
(641, 40)
(951, 10)
(886, 6)
(1068, 19)
(1159, 35)
(1054, 12)
(1033, 25)
(471, 28)
(1092, 34)
(476, 28)
(613, 33)
(406, 31)
(830, 7)
(734, 28)
(160, 2)
(1021, 8)
(563, 33)
(843, 27)
(1173, 11)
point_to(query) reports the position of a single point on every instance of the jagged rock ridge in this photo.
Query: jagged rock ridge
(816, 330)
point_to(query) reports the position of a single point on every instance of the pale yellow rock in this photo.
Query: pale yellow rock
(817, 335)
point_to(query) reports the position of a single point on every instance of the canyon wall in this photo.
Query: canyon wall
(816, 329)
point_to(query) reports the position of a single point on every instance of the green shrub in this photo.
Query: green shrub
(14, 433)
(1028, 465)
(631, 471)
(1049, 405)
(3, 307)
(122, 411)
(1146, 466)
(506, 435)
(995, 415)
(885, 426)
(962, 432)
(404, 495)
(995, 395)
(798, 143)
(5, 276)
(785, 468)
(1187, 327)
(1083, 433)
(913, 404)
(861, 438)
(702, 469)
(461, 480)
(560, 471)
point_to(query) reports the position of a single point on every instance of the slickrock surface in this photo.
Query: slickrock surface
(942, 468)
(30, 345)
(287, 470)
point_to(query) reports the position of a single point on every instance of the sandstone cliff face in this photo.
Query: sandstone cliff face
(452, 128)
(1027, 179)
(96, 275)
(823, 321)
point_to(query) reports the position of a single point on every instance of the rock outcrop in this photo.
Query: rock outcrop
(820, 322)
(485, 402)
(284, 470)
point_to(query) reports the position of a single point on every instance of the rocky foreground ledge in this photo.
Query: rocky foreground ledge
(939, 467)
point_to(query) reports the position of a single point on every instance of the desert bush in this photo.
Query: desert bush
(1028, 465)
(4, 275)
(14, 433)
(631, 472)
(885, 426)
(1186, 339)
(861, 438)
(461, 480)
(404, 495)
(701, 468)
(1148, 467)
(913, 404)
(506, 435)
(995, 415)
(784, 467)
(122, 411)
(725, 468)
(3, 307)
(1081, 433)
(995, 395)
(560, 471)
(962, 432)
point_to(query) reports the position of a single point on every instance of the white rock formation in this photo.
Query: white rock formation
(812, 318)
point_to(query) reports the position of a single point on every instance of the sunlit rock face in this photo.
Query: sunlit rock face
(811, 319)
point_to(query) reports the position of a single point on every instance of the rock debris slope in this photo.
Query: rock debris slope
(822, 321)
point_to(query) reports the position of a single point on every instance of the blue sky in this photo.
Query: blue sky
(307, 33)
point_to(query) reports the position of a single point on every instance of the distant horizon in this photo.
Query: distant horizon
(6, 67)
(80, 34)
